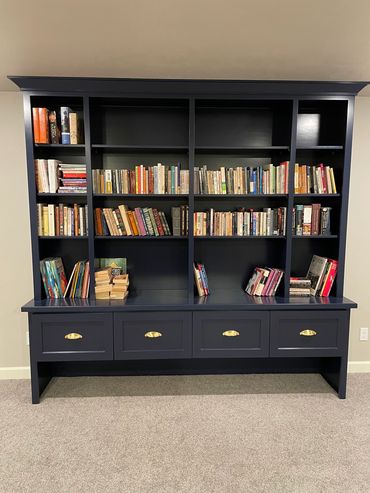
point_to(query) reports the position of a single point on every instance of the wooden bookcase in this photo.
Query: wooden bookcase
(194, 122)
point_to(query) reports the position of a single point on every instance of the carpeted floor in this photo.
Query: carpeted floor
(227, 434)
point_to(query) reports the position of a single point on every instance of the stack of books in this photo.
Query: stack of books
(62, 220)
(268, 179)
(299, 286)
(120, 221)
(79, 282)
(46, 171)
(72, 178)
(201, 279)
(109, 286)
(269, 222)
(119, 289)
(310, 220)
(314, 179)
(322, 272)
(159, 179)
(55, 127)
(264, 281)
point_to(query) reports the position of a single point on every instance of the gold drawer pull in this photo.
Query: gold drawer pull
(231, 333)
(308, 333)
(73, 336)
(152, 334)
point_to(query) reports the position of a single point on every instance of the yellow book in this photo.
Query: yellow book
(45, 221)
(333, 185)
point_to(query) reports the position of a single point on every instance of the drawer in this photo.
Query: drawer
(230, 334)
(309, 333)
(152, 335)
(72, 337)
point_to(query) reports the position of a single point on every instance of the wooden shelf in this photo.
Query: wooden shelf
(315, 237)
(319, 148)
(177, 196)
(317, 195)
(238, 149)
(59, 146)
(141, 238)
(226, 196)
(75, 194)
(139, 148)
(63, 237)
(246, 237)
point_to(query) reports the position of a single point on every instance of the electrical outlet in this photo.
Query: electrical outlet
(364, 333)
(27, 338)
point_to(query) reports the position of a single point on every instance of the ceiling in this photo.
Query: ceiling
(221, 39)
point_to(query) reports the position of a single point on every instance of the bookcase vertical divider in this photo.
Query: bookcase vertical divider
(32, 196)
(90, 204)
(292, 159)
(345, 197)
(191, 198)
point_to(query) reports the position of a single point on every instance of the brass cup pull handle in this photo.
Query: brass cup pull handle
(73, 336)
(152, 334)
(308, 333)
(231, 333)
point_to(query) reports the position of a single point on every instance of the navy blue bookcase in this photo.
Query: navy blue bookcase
(194, 122)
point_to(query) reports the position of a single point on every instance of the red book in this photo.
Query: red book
(85, 282)
(36, 125)
(323, 177)
(140, 222)
(329, 280)
(158, 222)
(44, 125)
(66, 174)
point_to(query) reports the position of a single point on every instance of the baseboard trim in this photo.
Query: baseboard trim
(23, 372)
(14, 372)
(359, 367)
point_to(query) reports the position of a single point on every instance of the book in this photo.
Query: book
(64, 124)
(36, 125)
(53, 277)
(53, 127)
(201, 279)
(316, 272)
(73, 128)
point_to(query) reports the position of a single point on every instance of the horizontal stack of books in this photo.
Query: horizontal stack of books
(55, 127)
(201, 279)
(62, 220)
(311, 220)
(268, 179)
(314, 179)
(268, 222)
(55, 281)
(264, 281)
(120, 221)
(79, 282)
(299, 286)
(53, 176)
(72, 178)
(159, 179)
(322, 273)
(109, 286)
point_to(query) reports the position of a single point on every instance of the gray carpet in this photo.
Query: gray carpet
(257, 433)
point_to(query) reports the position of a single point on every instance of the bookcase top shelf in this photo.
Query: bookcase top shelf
(177, 87)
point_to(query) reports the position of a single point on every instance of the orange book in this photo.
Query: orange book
(76, 220)
(44, 125)
(133, 223)
(36, 125)
(99, 224)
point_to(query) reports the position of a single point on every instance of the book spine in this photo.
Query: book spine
(73, 128)
(44, 125)
(64, 124)
(36, 125)
(53, 127)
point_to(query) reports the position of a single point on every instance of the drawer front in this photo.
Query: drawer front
(72, 337)
(152, 335)
(230, 334)
(309, 333)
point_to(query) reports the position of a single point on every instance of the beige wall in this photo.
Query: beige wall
(15, 249)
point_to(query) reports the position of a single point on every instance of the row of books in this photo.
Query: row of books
(111, 286)
(55, 281)
(53, 176)
(311, 220)
(268, 179)
(120, 221)
(264, 281)
(52, 127)
(62, 220)
(201, 279)
(268, 222)
(314, 179)
(322, 272)
(158, 179)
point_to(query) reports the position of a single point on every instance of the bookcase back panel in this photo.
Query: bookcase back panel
(223, 203)
(70, 250)
(151, 264)
(232, 159)
(69, 155)
(230, 262)
(321, 123)
(242, 123)
(139, 122)
(123, 160)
